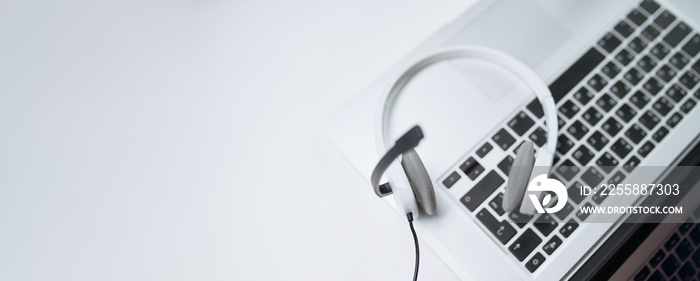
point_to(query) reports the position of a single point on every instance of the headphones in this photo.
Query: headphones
(413, 187)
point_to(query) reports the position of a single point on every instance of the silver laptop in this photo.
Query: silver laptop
(625, 76)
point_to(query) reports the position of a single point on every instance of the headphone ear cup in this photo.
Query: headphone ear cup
(519, 176)
(420, 181)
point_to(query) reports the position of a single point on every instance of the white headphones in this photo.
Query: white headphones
(413, 186)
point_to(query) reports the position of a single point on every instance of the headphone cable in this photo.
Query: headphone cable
(415, 241)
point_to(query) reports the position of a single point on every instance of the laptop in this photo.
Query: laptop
(625, 78)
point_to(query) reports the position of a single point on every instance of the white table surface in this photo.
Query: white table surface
(183, 139)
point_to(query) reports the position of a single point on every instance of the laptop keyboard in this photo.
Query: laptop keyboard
(616, 104)
(678, 258)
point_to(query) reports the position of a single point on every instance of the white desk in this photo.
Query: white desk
(183, 140)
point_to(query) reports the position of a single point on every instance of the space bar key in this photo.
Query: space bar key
(482, 190)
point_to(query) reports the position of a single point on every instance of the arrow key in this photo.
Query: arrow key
(523, 246)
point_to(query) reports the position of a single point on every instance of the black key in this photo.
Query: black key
(503, 139)
(539, 137)
(660, 134)
(597, 140)
(653, 86)
(672, 241)
(650, 32)
(677, 34)
(568, 170)
(574, 192)
(482, 190)
(521, 123)
(592, 177)
(696, 258)
(618, 177)
(519, 219)
(626, 112)
(597, 82)
(583, 155)
(624, 29)
(523, 246)
(663, 106)
(564, 212)
(468, 165)
(624, 57)
(545, 224)
(679, 60)
(646, 64)
(673, 121)
(536, 108)
(631, 164)
(693, 46)
(583, 216)
(475, 171)
(645, 149)
(656, 276)
(609, 42)
(694, 235)
(670, 265)
(592, 116)
(577, 130)
(642, 275)
(659, 51)
(534, 262)
(505, 164)
(664, 19)
(552, 245)
(598, 197)
(696, 66)
(639, 99)
(657, 258)
(633, 76)
(606, 102)
(686, 272)
(676, 93)
(484, 149)
(611, 70)
(620, 89)
(684, 249)
(649, 120)
(666, 73)
(621, 148)
(635, 133)
(685, 226)
(575, 73)
(583, 96)
(497, 204)
(637, 17)
(568, 228)
(607, 162)
(569, 109)
(612, 127)
(689, 80)
(503, 231)
(564, 144)
(451, 179)
(688, 105)
(560, 121)
(638, 44)
(649, 6)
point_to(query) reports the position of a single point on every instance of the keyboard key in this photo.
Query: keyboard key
(583, 96)
(696, 258)
(606, 102)
(624, 29)
(660, 134)
(597, 82)
(503, 231)
(659, 51)
(568, 170)
(649, 6)
(689, 80)
(536, 108)
(657, 258)
(607, 162)
(638, 44)
(621, 148)
(693, 46)
(565, 211)
(639, 99)
(577, 130)
(564, 144)
(592, 116)
(484, 149)
(505, 164)
(620, 89)
(535, 262)
(545, 224)
(686, 272)
(568, 228)
(643, 274)
(612, 127)
(631, 164)
(688, 105)
(670, 265)
(569, 109)
(552, 245)
(650, 32)
(663, 106)
(521, 123)
(656, 276)
(610, 70)
(468, 164)
(451, 179)
(609, 42)
(497, 204)
(626, 112)
(649, 120)
(646, 63)
(637, 17)
(677, 34)
(676, 93)
(598, 197)
(519, 219)
(685, 226)
(597, 140)
(539, 137)
(503, 139)
(696, 66)
(523, 246)
(482, 190)
(684, 249)
(664, 19)
(679, 60)
(592, 177)
(583, 155)
(583, 216)
(635, 133)
(624, 57)
(618, 177)
(672, 241)
(653, 86)
(694, 235)
(666, 73)
(572, 76)
(645, 149)
(633, 76)
(673, 121)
